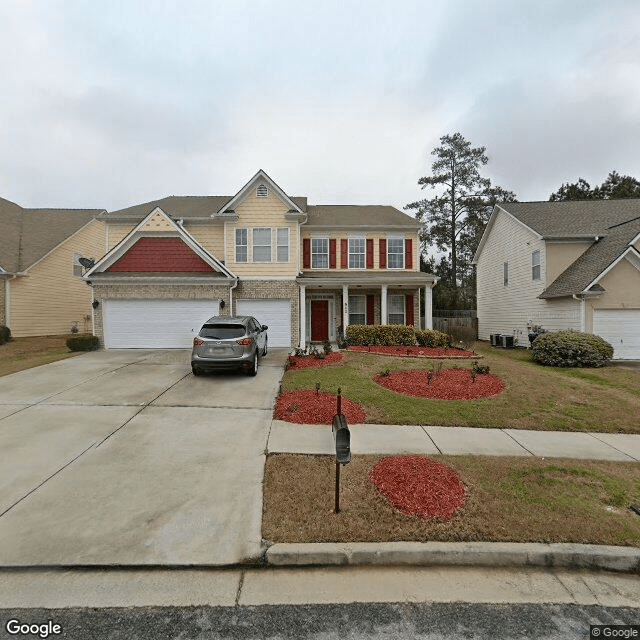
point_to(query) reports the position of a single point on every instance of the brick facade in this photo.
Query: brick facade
(3, 299)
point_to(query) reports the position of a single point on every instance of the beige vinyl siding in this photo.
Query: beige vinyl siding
(254, 212)
(338, 235)
(116, 231)
(561, 255)
(50, 298)
(510, 309)
(210, 236)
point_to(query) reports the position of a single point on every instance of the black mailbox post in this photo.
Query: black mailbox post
(342, 440)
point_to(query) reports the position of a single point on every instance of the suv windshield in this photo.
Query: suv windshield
(222, 331)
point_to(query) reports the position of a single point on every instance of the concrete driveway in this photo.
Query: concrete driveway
(124, 457)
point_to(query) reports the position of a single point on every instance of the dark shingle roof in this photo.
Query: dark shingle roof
(573, 218)
(182, 207)
(29, 234)
(577, 277)
(344, 215)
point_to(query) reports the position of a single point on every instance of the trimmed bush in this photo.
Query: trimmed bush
(83, 343)
(571, 349)
(5, 334)
(385, 335)
(433, 338)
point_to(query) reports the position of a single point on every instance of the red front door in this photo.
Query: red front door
(319, 320)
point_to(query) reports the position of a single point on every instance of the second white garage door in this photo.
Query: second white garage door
(621, 329)
(154, 324)
(276, 314)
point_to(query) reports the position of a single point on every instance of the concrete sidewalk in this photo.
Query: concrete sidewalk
(285, 437)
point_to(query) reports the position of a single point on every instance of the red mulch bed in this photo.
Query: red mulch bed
(419, 486)
(302, 362)
(306, 406)
(449, 384)
(425, 352)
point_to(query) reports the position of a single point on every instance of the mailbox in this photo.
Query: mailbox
(342, 439)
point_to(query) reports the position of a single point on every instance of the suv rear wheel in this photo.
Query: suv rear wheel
(254, 367)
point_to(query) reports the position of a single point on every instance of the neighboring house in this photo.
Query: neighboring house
(562, 265)
(41, 292)
(305, 271)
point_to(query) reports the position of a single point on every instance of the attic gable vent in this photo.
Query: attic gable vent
(262, 191)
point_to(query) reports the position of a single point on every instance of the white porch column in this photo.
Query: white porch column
(345, 308)
(302, 315)
(383, 304)
(428, 308)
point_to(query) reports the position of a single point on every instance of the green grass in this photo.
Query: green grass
(534, 397)
(26, 353)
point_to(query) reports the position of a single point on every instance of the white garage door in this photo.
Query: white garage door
(276, 314)
(154, 324)
(621, 329)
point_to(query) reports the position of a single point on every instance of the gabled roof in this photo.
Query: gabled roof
(157, 223)
(582, 275)
(30, 234)
(358, 216)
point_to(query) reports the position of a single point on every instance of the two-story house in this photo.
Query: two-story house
(562, 265)
(306, 271)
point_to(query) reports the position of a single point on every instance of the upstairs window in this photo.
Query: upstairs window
(505, 274)
(535, 265)
(241, 245)
(356, 253)
(262, 191)
(395, 253)
(320, 253)
(262, 244)
(395, 309)
(357, 309)
(282, 241)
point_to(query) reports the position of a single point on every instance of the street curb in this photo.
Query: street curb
(495, 554)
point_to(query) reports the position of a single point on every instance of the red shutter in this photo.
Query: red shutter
(344, 254)
(370, 308)
(383, 253)
(408, 253)
(409, 309)
(306, 253)
(369, 253)
(332, 253)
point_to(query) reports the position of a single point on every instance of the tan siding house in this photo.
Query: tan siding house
(42, 292)
(562, 265)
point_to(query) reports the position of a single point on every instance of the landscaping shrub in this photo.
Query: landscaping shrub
(433, 338)
(571, 349)
(386, 335)
(5, 334)
(83, 343)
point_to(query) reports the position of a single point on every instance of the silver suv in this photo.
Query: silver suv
(229, 342)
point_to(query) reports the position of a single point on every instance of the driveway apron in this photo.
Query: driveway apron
(127, 459)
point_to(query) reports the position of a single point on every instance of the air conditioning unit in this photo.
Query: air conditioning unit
(507, 342)
(495, 339)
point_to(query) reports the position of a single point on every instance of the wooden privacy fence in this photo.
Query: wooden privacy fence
(448, 324)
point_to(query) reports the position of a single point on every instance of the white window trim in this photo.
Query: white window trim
(316, 253)
(288, 245)
(236, 245)
(402, 251)
(254, 245)
(390, 297)
(364, 299)
(364, 252)
(534, 265)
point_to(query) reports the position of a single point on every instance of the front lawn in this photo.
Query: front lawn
(507, 500)
(534, 397)
(25, 353)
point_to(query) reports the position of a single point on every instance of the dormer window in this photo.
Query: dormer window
(262, 191)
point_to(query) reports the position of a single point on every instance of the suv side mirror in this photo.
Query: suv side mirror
(264, 327)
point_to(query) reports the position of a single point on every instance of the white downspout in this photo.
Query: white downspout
(583, 312)
(231, 288)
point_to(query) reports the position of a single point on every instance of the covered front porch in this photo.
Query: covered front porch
(330, 303)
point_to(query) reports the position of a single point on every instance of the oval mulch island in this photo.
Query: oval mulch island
(306, 406)
(417, 485)
(449, 384)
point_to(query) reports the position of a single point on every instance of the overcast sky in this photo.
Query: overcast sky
(109, 104)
